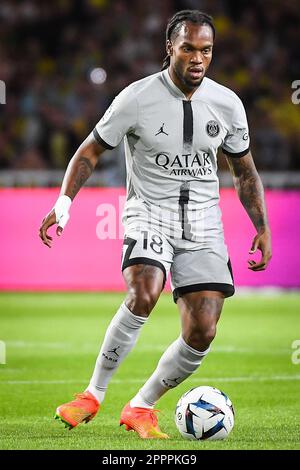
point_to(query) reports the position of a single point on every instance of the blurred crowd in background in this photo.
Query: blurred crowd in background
(48, 51)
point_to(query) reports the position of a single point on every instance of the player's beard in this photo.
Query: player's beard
(184, 78)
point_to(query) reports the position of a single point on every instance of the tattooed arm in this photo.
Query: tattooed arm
(81, 166)
(251, 193)
(78, 171)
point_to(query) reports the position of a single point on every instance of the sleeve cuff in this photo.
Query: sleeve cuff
(236, 155)
(101, 141)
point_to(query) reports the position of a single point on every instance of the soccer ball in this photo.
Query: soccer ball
(204, 413)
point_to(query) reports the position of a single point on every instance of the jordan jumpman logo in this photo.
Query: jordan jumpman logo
(161, 130)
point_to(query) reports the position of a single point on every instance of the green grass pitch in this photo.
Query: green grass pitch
(52, 341)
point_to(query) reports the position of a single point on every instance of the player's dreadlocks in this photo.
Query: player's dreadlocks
(175, 23)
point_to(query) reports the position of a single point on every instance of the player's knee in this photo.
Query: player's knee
(208, 336)
(141, 302)
(200, 338)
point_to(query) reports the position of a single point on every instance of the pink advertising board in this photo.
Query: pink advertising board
(83, 259)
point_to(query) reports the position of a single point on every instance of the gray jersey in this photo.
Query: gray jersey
(171, 142)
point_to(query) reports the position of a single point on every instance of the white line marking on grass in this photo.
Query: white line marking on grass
(269, 291)
(93, 348)
(254, 378)
(37, 344)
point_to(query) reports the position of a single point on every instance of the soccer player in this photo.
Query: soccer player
(172, 123)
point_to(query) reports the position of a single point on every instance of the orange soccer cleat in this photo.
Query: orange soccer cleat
(143, 421)
(82, 409)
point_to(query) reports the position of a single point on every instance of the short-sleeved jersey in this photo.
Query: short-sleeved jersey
(171, 143)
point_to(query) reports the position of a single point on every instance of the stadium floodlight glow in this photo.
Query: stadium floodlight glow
(98, 76)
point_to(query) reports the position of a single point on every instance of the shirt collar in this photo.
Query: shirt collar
(174, 89)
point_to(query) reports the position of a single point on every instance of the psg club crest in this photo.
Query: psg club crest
(212, 128)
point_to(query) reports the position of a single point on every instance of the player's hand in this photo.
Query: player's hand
(58, 215)
(262, 242)
(47, 222)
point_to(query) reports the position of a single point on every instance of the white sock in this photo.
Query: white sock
(177, 363)
(121, 335)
